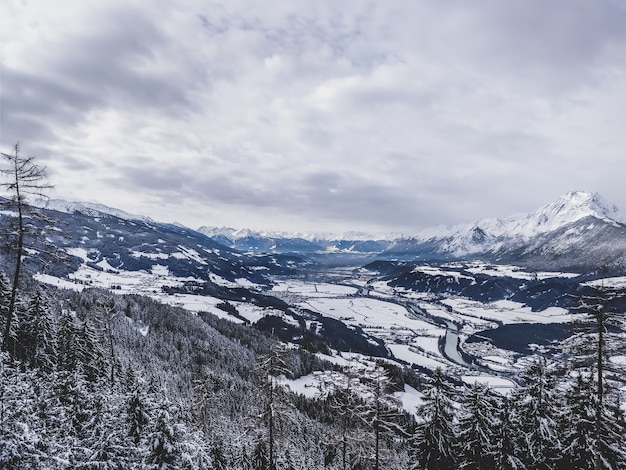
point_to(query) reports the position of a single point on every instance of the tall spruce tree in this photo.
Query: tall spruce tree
(477, 427)
(537, 407)
(271, 365)
(577, 425)
(433, 443)
(597, 336)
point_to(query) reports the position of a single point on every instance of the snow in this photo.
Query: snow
(609, 283)
(406, 353)
(499, 270)
(498, 384)
(88, 208)
(507, 311)
(410, 399)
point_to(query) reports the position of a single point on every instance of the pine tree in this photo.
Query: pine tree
(577, 426)
(37, 334)
(597, 336)
(435, 436)
(137, 416)
(5, 297)
(477, 425)
(537, 406)
(164, 445)
(91, 354)
(343, 396)
(508, 438)
(68, 342)
(271, 366)
(382, 411)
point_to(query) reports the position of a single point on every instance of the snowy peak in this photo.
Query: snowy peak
(566, 220)
(569, 208)
(237, 234)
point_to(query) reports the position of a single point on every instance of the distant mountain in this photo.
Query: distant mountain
(579, 231)
(297, 243)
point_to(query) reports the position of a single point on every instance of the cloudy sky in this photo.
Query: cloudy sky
(326, 115)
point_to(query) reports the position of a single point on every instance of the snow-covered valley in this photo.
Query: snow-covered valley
(421, 329)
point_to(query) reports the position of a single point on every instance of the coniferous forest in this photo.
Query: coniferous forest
(98, 381)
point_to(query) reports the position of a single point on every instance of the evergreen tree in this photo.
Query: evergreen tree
(577, 429)
(137, 416)
(382, 411)
(37, 334)
(5, 297)
(508, 439)
(68, 342)
(434, 439)
(598, 336)
(349, 411)
(477, 425)
(91, 354)
(164, 446)
(271, 366)
(537, 407)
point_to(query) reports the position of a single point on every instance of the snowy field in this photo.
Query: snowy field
(381, 311)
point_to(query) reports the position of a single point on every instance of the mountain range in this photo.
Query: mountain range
(581, 231)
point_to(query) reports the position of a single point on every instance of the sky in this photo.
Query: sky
(318, 115)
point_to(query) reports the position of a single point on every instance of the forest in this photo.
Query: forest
(94, 380)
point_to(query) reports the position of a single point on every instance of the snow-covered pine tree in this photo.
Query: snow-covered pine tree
(271, 365)
(537, 406)
(382, 411)
(37, 333)
(434, 440)
(137, 415)
(477, 428)
(577, 425)
(91, 353)
(5, 297)
(508, 438)
(349, 410)
(163, 440)
(68, 342)
(597, 337)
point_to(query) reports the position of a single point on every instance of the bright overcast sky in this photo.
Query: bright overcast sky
(326, 115)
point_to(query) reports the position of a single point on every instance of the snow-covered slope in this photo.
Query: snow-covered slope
(92, 209)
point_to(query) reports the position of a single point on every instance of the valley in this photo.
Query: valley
(222, 328)
(424, 330)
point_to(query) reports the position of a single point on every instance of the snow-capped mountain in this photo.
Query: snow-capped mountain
(297, 242)
(579, 230)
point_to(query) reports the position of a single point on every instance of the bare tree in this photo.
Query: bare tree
(24, 179)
